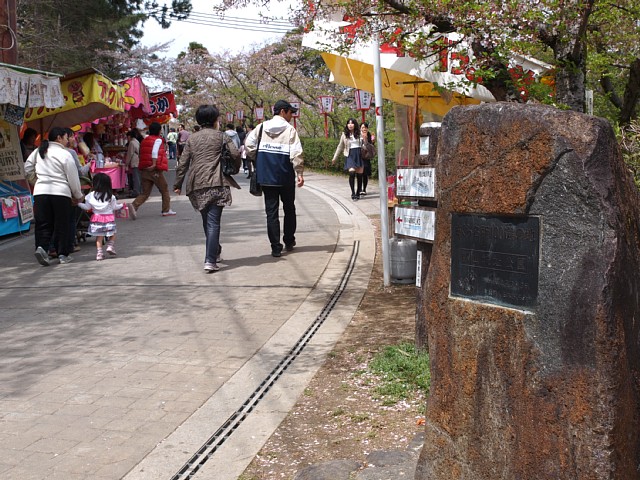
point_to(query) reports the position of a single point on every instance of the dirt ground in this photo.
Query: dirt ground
(338, 417)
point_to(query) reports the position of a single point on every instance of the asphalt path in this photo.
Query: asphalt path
(144, 367)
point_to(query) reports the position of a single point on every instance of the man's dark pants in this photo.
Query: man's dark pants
(272, 198)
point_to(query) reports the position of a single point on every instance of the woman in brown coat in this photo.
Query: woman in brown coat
(208, 189)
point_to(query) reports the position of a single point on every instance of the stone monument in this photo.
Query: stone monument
(532, 300)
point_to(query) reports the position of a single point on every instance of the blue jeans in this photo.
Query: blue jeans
(272, 197)
(211, 223)
(173, 150)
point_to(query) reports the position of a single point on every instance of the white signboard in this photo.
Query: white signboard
(326, 104)
(418, 223)
(416, 182)
(297, 106)
(11, 162)
(419, 269)
(363, 100)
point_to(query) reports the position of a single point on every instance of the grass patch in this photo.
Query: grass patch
(403, 372)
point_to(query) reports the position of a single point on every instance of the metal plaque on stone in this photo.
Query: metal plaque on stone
(494, 259)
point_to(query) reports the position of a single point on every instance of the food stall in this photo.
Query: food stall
(112, 131)
(88, 95)
(21, 88)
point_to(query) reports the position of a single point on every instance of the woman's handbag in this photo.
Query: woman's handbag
(367, 152)
(254, 187)
(31, 176)
(227, 162)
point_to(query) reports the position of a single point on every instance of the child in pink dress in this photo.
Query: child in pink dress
(104, 205)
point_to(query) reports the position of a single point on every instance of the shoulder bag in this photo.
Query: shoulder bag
(31, 177)
(367, 151)
(254, 187)
(226, 160)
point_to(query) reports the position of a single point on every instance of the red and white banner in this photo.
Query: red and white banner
(229, 117)
(296, 105)
(326, 104)
(363, 100)
(240, 115)
(259, 113)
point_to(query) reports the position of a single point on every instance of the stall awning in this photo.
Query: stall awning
(404, 80)
(163, 106)
(89, 94)
(136, 98)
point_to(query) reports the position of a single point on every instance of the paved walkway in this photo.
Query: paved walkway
(144, 367)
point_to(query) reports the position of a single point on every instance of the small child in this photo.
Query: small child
(103, 222)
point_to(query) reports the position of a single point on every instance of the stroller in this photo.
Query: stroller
(83, 217)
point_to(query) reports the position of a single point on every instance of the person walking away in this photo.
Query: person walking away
(246, 163)
(172, 141)
(152, 164)
(56, 185)
(349, 146)
(233, 135)
(207, 187)
(28, 143)
(368, 152)
(279, 166)
(183, 135)
(83, 172)
(132, 161)
(241, 134)
(103, 203)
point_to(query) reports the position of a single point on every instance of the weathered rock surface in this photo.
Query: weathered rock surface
(330, 470)
(551, 390)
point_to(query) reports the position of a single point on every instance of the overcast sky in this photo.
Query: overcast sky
(206, 28)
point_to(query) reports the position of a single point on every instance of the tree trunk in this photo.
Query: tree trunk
(571, 59)
(631, 93)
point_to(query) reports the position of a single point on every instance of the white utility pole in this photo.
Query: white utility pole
(382, 166)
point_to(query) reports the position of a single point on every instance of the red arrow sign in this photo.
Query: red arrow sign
(379, 111)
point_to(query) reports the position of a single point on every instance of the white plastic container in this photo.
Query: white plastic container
(403, 255)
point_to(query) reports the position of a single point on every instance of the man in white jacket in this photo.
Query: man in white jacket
(275, 149)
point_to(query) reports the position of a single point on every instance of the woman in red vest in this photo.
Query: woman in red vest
(153, 163)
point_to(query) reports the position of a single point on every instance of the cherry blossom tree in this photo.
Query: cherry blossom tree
(562, 32)
(257, 78)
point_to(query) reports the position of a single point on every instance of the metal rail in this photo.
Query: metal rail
(205, 452)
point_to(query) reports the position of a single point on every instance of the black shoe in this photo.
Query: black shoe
(276, 253)
(290, 246)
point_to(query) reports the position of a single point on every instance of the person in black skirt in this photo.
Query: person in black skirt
(368, 152)
(350, 147)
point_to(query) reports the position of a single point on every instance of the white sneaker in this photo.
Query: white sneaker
(211, 267)
(168, 213)
(64, 259)
(42, 257)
